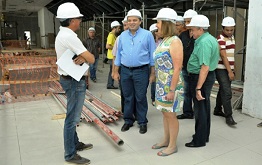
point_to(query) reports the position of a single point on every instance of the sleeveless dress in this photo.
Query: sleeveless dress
(164, 71)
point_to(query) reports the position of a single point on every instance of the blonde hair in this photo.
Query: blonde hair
(168, 29)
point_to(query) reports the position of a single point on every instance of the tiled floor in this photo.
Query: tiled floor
(28, 136)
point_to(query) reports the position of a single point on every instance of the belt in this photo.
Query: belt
(69, 77)
(136, 67)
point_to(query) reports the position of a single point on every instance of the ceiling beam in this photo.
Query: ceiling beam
(159, 1)
(105, 6)
(111, 4)
(98, 7)
(120, 3)
(133, 4)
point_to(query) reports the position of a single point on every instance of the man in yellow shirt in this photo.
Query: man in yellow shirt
(111, 38)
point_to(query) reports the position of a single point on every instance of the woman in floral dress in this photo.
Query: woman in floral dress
(168, 58)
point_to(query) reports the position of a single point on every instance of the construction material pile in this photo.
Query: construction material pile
(26, 72)
(94, 110)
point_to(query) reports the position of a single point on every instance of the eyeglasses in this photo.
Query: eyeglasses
(79, 18)
(155, 31)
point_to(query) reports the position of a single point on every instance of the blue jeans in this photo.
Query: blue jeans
(202, 108)
(134, 84)
(110, 80)
(187, 106)
(93, 68)
(75, 93)
(224, 94)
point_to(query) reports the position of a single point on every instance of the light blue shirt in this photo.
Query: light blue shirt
(135, 50)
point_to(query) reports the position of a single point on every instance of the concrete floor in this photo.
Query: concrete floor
(28, 136)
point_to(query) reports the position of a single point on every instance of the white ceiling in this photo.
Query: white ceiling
(22, 7)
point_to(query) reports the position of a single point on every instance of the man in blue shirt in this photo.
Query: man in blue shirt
(135, 55)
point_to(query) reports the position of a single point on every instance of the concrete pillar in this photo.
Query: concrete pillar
(46, 24)
(252, 103)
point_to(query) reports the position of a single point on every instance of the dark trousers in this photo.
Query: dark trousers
(188, 99)
(110, 80)
(224, 94)
(202, 108)
(134, 84)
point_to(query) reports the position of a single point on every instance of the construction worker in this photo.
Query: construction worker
(111, 38)
(70, 19)
(225, 70)
(201, 69)
(180, 25)
(188, 46)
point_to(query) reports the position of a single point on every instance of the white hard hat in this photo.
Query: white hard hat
(228, 21)
(124, 20)
(179, 18)
(134, 12)
(153, 27)
(91, 29)
(189, 13)
(166, 14)
(115, 23)
(68, 10)
(199, 21)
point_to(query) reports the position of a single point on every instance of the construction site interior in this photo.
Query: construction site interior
(32, 101)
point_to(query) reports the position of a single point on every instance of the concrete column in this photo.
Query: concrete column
(252, 100)
(46, 24)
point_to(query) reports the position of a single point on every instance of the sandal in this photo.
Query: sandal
(155, 146)
(161, 153)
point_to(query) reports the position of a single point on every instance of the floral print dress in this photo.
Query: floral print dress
(164, 71)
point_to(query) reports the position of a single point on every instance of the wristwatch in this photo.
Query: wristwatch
(198, 89)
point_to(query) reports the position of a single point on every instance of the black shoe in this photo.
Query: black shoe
(79, 160)
(82, 146)
(111, 87)
(126, 127)
(183, 116)
(192, 145)
(143, 129)
(230, 121)
(219, 113)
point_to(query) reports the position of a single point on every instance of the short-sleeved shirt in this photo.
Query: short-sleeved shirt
(67, 39)
(228, 44)
(206, 52)
(111, 38)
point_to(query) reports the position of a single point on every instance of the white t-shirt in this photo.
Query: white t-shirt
(67, 39)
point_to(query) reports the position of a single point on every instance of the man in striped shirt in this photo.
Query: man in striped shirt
(225, 70)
